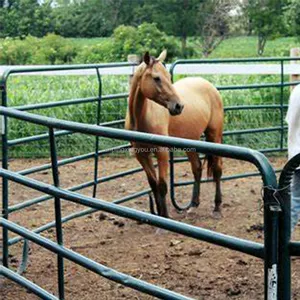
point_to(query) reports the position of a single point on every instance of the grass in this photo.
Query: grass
(87, 41)
(242, 47)
(39, 89)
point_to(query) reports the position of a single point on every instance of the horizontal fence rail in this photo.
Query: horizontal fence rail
(92, 265)
(220, 239)
(24, 282)
(241, 153)
(210, 66)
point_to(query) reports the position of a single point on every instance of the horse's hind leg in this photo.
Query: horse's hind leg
(197, 172)
(217, 174)
(215, 167)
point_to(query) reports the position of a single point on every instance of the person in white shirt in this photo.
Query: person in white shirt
(293, 120)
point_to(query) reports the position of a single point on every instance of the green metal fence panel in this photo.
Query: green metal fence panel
(256, 158)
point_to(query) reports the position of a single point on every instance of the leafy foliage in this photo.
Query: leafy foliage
(265, 18)
(292, 18)
(26, 17)
(210, 21)
(146, 37)
(52, 49)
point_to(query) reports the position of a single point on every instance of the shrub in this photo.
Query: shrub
(52, 49)
(130, 40)
(146, 37)
(15, 52)
(99, 53)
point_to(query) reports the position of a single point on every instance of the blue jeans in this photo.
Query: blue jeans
(295, 199)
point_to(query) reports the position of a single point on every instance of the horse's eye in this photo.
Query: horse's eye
(156, 79)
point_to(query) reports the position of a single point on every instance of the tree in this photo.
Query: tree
(92, 18)
(214, 24)
(292, 18)
(25, 17)
(145, 37)
(265, 18)
(175, 17)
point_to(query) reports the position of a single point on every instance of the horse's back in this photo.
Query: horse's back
(197, 85)
(203, 108)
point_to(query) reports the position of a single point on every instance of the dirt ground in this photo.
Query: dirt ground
(193, 268)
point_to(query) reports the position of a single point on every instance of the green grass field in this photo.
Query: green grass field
(86, 41)
(30, 89)
(235, 47)
(240, 47)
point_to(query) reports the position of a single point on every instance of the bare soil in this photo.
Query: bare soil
(191, 267)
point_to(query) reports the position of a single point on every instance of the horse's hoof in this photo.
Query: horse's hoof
(160, 231)
(217, 215)
(192, 211)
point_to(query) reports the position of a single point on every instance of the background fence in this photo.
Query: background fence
(255, 94)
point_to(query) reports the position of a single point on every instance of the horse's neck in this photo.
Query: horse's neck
(137, 107)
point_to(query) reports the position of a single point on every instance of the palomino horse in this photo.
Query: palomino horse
(187, 109)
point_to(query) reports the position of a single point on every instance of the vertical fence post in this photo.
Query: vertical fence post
(271, 219)
(294, 52)
(171, 162)
(3, 120)
(57, 206)
(281, 104)
(134, 59)
(98, 120)
(172, 175)
(284, 264)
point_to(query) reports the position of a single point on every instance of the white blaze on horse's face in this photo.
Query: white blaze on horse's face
(156, 84)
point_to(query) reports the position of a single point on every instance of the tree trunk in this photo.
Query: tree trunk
(183, 45)
(261, 44)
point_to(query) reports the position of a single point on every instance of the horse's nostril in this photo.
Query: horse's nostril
(178, 106)
(176, 109)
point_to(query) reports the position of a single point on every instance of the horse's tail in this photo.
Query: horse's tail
(209, 159)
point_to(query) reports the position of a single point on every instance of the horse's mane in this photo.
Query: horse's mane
(134, 90)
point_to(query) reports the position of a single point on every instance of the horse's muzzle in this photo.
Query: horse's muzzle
(176, 109)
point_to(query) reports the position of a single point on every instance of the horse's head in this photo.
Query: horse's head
(156, 84)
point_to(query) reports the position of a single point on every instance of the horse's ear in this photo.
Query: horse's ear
(147, 58)
(162, 56)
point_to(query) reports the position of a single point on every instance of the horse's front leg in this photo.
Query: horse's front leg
(197, 172)
(145, 160)
(163, 165)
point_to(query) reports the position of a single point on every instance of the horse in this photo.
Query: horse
(186, 109)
